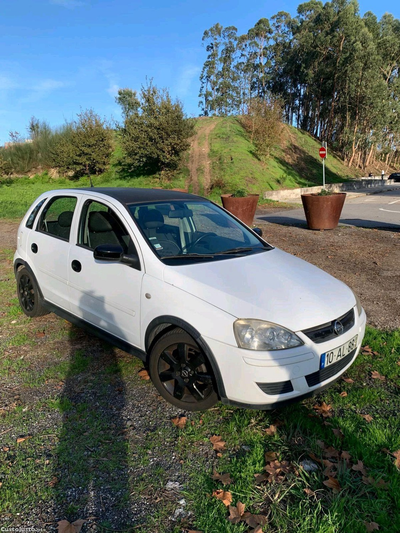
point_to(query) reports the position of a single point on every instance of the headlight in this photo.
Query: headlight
(253, 334)
(359, 306)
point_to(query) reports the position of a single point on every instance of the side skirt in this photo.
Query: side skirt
(98, 332)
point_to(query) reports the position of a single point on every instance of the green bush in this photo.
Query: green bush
(155, 132)
(85, 146)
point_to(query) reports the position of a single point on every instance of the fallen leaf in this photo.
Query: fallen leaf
(236, 513)
(218, 443)
(398, 363)
(359, 467)
(323, 409)
(224, 496)
(397, 456)
(338, 433)
(257, 530)
(53, 482)
(366, 350)
(224, 478)
(65, 527)
(333, 484)
(259, 478)
(376, 375)
(40, 334)
(348, 380)
(371, 526)
(345, 456)
(22, 439)
(255, 520)
(343, 394)
(143, 374)
(270, 456)
(331, 452)
(271, 430)
(367, 418)
(179, 421)
(381, 484)
(309, 492)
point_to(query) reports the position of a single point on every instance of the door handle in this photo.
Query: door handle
(34, 248)
(76, 266)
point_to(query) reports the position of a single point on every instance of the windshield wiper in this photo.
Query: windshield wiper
(189, 256)
(237, 251)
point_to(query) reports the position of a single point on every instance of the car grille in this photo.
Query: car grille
(326, 332)
(280, 387)
(329, 371)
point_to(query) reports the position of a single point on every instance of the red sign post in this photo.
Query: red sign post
(322, 155)
(322, 152)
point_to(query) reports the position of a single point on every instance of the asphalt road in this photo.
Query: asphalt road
(380, 210)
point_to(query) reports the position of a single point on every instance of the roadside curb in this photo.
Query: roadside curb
(353, 188)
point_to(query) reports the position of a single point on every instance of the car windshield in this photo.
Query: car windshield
(184, 231)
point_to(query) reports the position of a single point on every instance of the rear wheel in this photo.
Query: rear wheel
(29, 295)
(182, 373)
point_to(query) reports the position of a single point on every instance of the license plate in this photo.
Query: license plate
(333, 356)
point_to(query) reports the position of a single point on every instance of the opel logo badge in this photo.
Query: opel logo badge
(338, 327)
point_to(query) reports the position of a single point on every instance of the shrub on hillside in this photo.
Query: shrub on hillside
(85, 146)
(263, 122)
(5, 167)
(155, 132)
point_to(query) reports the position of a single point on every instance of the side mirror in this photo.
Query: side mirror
(114, 253)
(108, 252)
(258, 231)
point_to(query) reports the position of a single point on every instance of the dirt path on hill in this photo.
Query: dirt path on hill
(199, 159)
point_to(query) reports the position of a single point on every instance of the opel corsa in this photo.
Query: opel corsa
(214, 311)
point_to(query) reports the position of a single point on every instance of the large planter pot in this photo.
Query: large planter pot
(243, 208)
(323, 212)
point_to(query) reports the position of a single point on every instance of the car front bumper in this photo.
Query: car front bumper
(264, 380)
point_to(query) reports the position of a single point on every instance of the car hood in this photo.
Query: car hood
(272, 285)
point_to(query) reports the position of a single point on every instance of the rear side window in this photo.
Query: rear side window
(34, 212)
(56, 218)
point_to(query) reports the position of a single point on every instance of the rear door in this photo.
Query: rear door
(48, 248)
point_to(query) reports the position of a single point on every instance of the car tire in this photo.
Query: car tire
(29, 294)
(181, 372)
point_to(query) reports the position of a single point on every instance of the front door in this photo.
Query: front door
(105, 294)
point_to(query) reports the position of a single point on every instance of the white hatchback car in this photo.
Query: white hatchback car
(212, 309)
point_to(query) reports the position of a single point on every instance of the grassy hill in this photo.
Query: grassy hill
(232, 164)
(295, 162)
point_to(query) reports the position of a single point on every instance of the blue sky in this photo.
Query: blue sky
(58, 56)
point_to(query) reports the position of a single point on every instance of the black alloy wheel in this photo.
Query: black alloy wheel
(29, 295)
(181, 372)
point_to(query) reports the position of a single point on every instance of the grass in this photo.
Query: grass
(294, 162)
(300, 501)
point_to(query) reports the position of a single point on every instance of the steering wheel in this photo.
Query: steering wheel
(189, 246)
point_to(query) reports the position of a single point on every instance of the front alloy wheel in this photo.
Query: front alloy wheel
(181, 372)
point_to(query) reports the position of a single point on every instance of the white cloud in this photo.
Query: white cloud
(105, 68)
(42, 89)
(185, 79)
(7, 83)
(69, 4)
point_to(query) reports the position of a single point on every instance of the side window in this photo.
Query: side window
(100, 225)
(56, 218)
(35, 211)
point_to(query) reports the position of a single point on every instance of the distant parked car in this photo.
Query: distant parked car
(395, 176)
(212, 309)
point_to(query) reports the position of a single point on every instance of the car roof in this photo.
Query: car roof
(132, 195)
